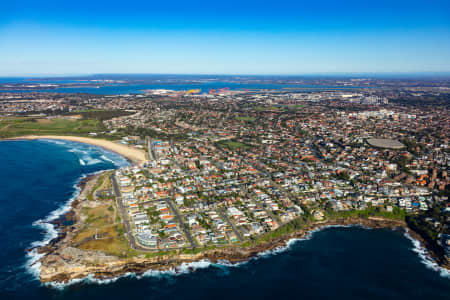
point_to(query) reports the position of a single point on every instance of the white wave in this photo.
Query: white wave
(185, 268)
(32, 264)
(425, 257)
(228, 264)
(107, 159)
(92, 161)
(79, 151)
(88, 279)
(188, 267)
(86, 155)
(279, 249)
(116, 159)
(57, 142)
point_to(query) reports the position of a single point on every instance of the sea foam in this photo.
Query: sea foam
(89, 155)
(425, 257)
(84, 153)
(33, 265)
(186, 268)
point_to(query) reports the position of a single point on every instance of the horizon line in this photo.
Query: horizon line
(366, 73)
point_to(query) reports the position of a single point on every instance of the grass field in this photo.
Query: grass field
(19, 126)
(103, 220)
(234, 145)
(265, 108)
(293, 106)
(281, 107)
(111, 240)
(246, 119)
(103, 183)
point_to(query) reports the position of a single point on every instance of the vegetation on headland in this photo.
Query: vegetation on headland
(102, 229)
(292, 226)
(75, 123)
(101, 232)
(396, 214)
(429, 224)
(87, 114)
(103, 182)
(20, 126)
(307, 220)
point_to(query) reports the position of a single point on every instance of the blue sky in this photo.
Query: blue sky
(227, 37)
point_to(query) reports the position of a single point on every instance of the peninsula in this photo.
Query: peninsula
(227, 174)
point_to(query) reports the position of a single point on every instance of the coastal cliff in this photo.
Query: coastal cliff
(67, 263)
(64, 261)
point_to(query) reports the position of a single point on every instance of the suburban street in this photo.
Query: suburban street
(225, 217)
(180, 221)
(124, 217)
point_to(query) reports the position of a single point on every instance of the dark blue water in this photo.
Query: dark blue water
(37, 177)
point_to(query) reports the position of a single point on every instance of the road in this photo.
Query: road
(150, 148)
(316, 151)
(125, 218)
(236, 232)
(180, 221)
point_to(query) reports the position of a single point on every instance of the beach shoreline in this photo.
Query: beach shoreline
(132, 154)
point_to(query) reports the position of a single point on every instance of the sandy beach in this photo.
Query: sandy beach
(133, 154)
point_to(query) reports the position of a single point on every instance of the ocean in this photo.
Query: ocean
(38, 180)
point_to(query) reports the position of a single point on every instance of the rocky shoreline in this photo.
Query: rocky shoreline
(62, 262)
